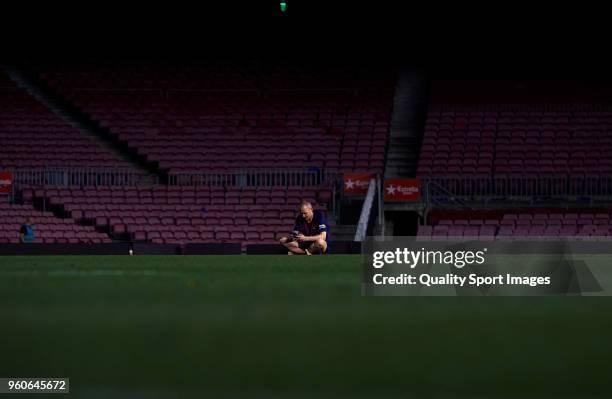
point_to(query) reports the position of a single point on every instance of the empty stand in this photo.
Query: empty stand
(34, 137)
(553, 223)
(182, 215)
(194, 119)
(47, 227)
(530, 140)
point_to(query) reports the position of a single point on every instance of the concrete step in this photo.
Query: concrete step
(408, 157)
(400, 167)
(397, 167)
(344, 229)
(404, 134)
(343, 232)
(336, 237)
(402, 148)
(406, 173)
(400, 171)
(403, 140)
(408, 115)
(388, 232)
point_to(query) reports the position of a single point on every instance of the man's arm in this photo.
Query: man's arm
(295, 233)
(322, 228)
(322, 235)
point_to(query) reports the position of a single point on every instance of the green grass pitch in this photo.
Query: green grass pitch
(286, 327)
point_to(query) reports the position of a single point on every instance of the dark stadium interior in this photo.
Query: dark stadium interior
(163, 130)
(159, 153)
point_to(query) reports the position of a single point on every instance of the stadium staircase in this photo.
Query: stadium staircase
(81, 121)
(407, 123)
(342, 232)
(346, 232)
(405, 138)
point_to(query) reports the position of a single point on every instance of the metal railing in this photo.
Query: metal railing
(253, 177)
(364, 218)
(71, 176)
(63, 176)
(435, 194)
(554, 186)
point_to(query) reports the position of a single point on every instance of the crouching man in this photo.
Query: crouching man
(310, 232)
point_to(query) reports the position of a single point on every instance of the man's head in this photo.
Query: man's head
(306, 210)
(28, 220)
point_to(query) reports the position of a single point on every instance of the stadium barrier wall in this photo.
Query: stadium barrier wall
(265, 249)
(212, 249)
(335, 247)
(64, 249)
(36, 249)
(120, 249)
(156, 249)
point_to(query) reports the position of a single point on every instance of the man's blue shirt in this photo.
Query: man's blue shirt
(317, 225)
